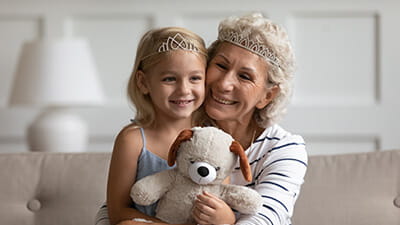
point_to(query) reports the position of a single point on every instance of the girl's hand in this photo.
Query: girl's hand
(209, 209)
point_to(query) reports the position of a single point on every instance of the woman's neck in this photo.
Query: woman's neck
(244, 133)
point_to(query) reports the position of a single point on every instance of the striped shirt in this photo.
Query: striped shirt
(278, 162)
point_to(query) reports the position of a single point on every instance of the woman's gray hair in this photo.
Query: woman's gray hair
(264, 32)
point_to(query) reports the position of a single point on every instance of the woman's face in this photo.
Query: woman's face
(236, 84)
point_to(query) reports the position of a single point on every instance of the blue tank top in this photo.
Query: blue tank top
(148, 164)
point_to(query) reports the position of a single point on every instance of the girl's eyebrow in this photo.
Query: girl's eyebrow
(176, 73)
(197, 72)
(168, 72)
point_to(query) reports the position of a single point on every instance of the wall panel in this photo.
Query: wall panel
(14, 31)
(111, 37)
(337, 57)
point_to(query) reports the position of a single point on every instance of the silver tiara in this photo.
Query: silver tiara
(174, 43)
(249, 44)
(177, 42)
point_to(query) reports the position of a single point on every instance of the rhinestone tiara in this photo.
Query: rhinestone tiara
(174, 43)
(249, 44)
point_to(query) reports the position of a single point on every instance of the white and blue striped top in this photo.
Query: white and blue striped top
(278, 162)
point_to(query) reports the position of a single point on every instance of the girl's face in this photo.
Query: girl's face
(236, 84)
(175, 84)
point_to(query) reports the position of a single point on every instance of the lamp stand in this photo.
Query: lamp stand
(57, 129)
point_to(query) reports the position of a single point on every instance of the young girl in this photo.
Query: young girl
(166, 87)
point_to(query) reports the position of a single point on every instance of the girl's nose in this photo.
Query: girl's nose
(184, 87)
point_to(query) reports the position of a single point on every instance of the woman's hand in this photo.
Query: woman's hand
(209, 209)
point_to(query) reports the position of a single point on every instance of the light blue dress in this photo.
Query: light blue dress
(148, 164)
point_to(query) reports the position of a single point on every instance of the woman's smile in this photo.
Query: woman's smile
(222, 100)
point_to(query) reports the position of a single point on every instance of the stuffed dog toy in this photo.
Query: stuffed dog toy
(204, 158)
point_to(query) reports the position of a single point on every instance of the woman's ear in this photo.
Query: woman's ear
(269, 96)
(141, 82)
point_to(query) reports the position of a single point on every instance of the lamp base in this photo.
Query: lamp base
(57, 129)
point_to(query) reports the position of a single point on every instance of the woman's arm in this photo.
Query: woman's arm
(278, 176)
(121, 177)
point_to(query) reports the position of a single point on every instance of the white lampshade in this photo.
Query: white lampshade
(56, 72)
(56, 75)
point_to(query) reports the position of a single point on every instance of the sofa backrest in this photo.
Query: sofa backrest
(52, 188)
(351, 189)
(68, 189)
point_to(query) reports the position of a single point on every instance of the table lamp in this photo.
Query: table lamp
(56, 75)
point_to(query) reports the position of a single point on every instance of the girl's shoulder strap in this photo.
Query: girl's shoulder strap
(143, 137)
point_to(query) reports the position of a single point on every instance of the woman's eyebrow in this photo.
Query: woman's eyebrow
(223, 57)
(249, 69)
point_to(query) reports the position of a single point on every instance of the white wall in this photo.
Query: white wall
(346, 97)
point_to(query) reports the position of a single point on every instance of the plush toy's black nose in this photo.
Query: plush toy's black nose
(203, 171)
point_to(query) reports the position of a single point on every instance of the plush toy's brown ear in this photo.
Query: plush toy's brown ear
(237, 148)
(183, 136)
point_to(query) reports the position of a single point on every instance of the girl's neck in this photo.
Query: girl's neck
(172, 126)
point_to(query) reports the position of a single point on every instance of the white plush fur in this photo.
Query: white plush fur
(176, 190)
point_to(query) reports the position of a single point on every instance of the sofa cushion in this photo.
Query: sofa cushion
(52, 188)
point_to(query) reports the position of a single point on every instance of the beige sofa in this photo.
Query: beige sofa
(68, 188)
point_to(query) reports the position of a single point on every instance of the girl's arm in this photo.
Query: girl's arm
(121, 177)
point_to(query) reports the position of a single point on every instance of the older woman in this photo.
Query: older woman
(249, 83)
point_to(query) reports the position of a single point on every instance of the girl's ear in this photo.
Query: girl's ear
(141, 82)
(183, 136)
(269, 96)
(237, 148)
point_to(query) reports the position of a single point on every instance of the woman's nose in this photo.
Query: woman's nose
(226, 82)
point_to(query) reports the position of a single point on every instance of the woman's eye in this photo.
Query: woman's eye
(221, 66)
(245, 76)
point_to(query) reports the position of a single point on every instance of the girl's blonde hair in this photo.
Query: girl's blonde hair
(256, 27)
(147, 56)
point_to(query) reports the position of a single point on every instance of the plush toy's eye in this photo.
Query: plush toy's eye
(217, 168)
(191, 161)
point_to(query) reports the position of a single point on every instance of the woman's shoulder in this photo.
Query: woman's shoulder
(276, 132)
(282, 143)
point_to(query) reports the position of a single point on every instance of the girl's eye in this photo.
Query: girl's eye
(196, 78)
(168, 79)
